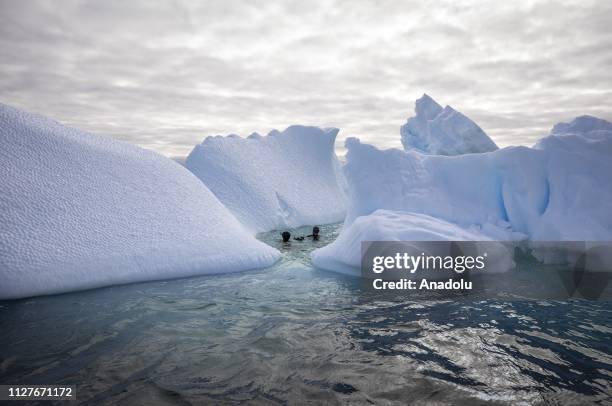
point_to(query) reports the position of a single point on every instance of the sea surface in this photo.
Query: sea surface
(292, 334)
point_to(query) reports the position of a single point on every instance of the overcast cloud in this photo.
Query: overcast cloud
(166, 74)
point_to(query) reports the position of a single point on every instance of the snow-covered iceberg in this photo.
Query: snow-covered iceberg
(560, 190)
(80, 211)
(284, 179)
(344, 254)
(443, 131)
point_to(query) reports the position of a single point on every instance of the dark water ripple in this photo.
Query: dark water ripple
(292, 334)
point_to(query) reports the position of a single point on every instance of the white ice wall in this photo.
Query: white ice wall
(284, 179)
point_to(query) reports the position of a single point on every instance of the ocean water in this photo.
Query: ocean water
(294, 334)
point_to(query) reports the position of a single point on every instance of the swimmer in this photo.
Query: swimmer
(286, 236)
(315, 233)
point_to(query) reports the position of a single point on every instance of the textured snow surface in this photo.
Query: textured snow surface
(443, 131)
(344, 254)
(560, 190)
(80, 211)
(284, 179)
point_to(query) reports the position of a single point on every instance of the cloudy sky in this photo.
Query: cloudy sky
(165, 74)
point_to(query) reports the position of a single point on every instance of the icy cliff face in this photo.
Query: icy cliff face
(284, 179)
(558, 190)
(80, 211)
(443, 131)
(468, 189)
(578, 168)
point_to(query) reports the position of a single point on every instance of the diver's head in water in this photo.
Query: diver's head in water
(286, 236)
(315, 231)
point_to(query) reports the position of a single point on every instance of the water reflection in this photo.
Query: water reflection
(500, 350)
(293, 332)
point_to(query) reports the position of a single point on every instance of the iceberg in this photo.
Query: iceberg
(583, 127)
(578, 168)
(285, 179)
(344, 254)
(80, 211)
(443, 131)
(559, 190)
